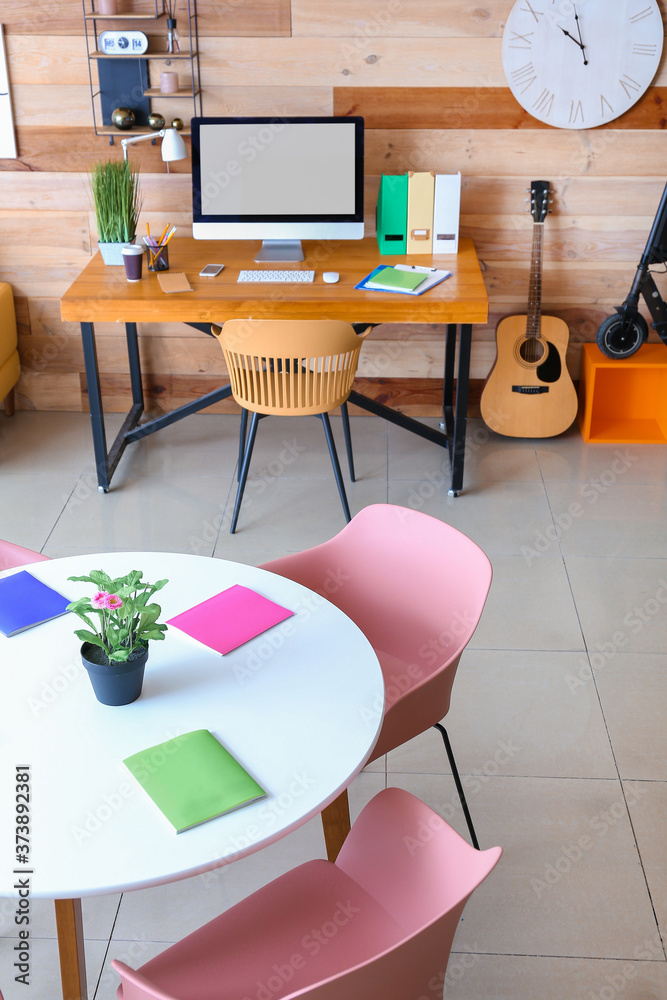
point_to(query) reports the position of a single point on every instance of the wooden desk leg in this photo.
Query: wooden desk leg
(69, 925)
(336, 824)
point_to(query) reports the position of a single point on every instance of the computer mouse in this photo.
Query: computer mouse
(331, 277)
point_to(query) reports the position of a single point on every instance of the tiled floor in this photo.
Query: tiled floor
(558, 711)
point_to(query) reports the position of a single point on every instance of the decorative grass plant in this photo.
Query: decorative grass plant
(117, 201)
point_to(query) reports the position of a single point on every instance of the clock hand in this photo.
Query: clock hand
(581, 46)
(581, 41)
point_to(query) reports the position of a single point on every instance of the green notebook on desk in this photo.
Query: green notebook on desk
(392, 280)
(193, 778)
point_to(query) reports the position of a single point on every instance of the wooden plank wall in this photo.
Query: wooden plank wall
(428, 79)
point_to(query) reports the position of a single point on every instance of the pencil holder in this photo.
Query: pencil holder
(157, 258)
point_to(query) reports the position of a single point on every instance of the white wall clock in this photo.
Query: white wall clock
(581, 64)
(7, 138)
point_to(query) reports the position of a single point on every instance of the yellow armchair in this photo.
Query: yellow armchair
(10, 367)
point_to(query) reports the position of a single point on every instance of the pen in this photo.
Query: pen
(163, 245)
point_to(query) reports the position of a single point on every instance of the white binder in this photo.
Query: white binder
(446, 210)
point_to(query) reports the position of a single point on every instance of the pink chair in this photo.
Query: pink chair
(379, 923)
(15, 555)
(416, 588)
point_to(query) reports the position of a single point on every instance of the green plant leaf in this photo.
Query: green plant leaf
(90, 637)
(116, 199)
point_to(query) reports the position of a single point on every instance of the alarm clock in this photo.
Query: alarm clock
(122, 43)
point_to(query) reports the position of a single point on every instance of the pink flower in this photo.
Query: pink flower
(113, 602)
(100, 599)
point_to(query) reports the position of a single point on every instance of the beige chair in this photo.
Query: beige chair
(10, 367)
(290, 368)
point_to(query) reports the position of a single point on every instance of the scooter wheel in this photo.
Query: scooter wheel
(620, 337)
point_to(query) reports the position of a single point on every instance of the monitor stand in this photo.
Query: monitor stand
(280, 250)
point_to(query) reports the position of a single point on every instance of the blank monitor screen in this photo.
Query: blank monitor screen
(277, 178)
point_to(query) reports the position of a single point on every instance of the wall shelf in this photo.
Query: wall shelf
(624, 402)
(124, 80)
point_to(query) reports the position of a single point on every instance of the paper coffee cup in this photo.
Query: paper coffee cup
(133, 256)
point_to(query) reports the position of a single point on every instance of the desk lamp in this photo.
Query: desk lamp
(173, 147)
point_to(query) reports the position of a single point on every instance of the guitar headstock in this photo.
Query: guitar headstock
(539, 200)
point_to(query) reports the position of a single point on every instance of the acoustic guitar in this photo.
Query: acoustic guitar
(529, 391)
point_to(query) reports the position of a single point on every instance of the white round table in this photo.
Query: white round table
(300, 706)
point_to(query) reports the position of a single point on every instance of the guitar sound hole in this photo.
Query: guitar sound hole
(532, 351)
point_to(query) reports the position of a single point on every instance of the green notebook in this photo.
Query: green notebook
(392, 280)
(192, 779)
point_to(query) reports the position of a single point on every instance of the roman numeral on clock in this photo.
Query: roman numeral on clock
(576, 112)
(544, 102)
(641, 14)
(537, 14)
(629, 85)
(518, 41)
(524, 75)
(605, 107)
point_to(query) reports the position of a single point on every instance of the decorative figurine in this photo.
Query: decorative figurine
(123, 118)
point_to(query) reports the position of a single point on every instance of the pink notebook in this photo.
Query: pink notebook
(230, 618)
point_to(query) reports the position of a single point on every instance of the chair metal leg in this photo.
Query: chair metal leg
(244, 471)
(336, 465)
(457, 782)
(348, 439)
(243, 433)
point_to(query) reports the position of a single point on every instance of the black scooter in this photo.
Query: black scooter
(621, 335)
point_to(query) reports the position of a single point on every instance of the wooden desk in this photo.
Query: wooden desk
(102, 294)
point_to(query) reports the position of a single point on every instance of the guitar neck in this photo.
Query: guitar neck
(535, 286)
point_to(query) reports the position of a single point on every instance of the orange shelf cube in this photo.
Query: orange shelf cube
(623, 402)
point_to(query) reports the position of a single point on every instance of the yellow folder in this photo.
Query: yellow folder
(421, 187)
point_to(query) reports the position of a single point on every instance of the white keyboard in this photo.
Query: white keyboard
(270, 276)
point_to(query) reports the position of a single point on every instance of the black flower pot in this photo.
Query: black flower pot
(114, 683)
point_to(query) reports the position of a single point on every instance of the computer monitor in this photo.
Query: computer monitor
(278, 179)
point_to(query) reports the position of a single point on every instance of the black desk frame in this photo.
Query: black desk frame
(454, 412)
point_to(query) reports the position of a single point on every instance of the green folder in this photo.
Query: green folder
(392, 214)
(396, 281)
(193, 778)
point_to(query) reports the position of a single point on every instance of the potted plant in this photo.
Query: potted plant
(117, 202)
(121, 620)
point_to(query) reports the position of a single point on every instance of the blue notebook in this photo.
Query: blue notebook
(26, 601)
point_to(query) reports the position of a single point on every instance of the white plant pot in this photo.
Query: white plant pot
(112, 253)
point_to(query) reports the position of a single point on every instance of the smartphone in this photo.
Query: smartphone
(211, 270)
